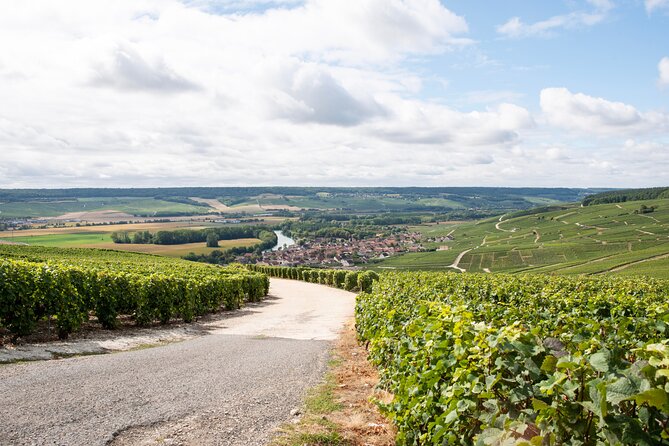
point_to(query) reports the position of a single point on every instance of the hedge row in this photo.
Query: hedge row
(346, 280)
(521, 360)
(67, 294)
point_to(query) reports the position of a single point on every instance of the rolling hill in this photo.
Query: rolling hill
(159, 202)
(624, 238)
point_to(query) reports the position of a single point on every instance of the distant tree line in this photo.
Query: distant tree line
(183, 236)
(621, 196)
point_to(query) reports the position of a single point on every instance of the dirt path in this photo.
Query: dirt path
(456, 262)
(565, 215)
(232, 386)
(501, 220)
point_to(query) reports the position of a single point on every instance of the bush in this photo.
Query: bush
(351, 281)
(366, 280)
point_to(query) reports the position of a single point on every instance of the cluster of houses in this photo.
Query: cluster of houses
(343, 252)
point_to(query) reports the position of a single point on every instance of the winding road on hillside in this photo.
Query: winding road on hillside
(232, 386)
(499, 222)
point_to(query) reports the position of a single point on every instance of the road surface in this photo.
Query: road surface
(233, 386)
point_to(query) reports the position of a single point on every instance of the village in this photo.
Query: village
(345, 253)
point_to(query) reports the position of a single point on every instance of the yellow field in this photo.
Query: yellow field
(174, 250)
(132, 227)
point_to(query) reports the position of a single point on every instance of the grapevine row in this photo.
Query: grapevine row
(346, 280)
(526, 360)
(55, 286)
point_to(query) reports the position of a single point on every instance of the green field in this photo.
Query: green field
(569, 240)
(65, 240)
(102, 240)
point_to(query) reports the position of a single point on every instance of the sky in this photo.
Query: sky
(150, 93)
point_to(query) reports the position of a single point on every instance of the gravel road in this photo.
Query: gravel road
(233, 386)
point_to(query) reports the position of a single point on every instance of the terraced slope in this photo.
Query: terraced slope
(567, 239)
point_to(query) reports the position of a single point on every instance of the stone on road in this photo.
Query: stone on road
(233, 386)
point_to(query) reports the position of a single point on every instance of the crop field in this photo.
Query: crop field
(524, 359)
(103, 241)
(567, 240)
(175, 250)
(131, 206)
(99, 236)
(100, 228)
(64, 240)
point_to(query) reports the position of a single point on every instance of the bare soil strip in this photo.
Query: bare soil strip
(212, 203)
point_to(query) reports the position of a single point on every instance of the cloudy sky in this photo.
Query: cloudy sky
(334, 92)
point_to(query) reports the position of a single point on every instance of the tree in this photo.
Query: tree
(212, 240)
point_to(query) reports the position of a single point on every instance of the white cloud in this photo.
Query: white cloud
(516, 28)
(597, 116)
(162, 92)
(555, 154)
(652, 5)
(663, 68)
(310, 91)
(125, 68)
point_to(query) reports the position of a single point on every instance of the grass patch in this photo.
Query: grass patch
(325, 439)
(321, 399)
(340, 411)
(314, 428)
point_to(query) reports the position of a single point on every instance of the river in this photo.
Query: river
(282, 241)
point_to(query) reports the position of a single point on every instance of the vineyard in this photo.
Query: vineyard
(531, 360)
(67, 286)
